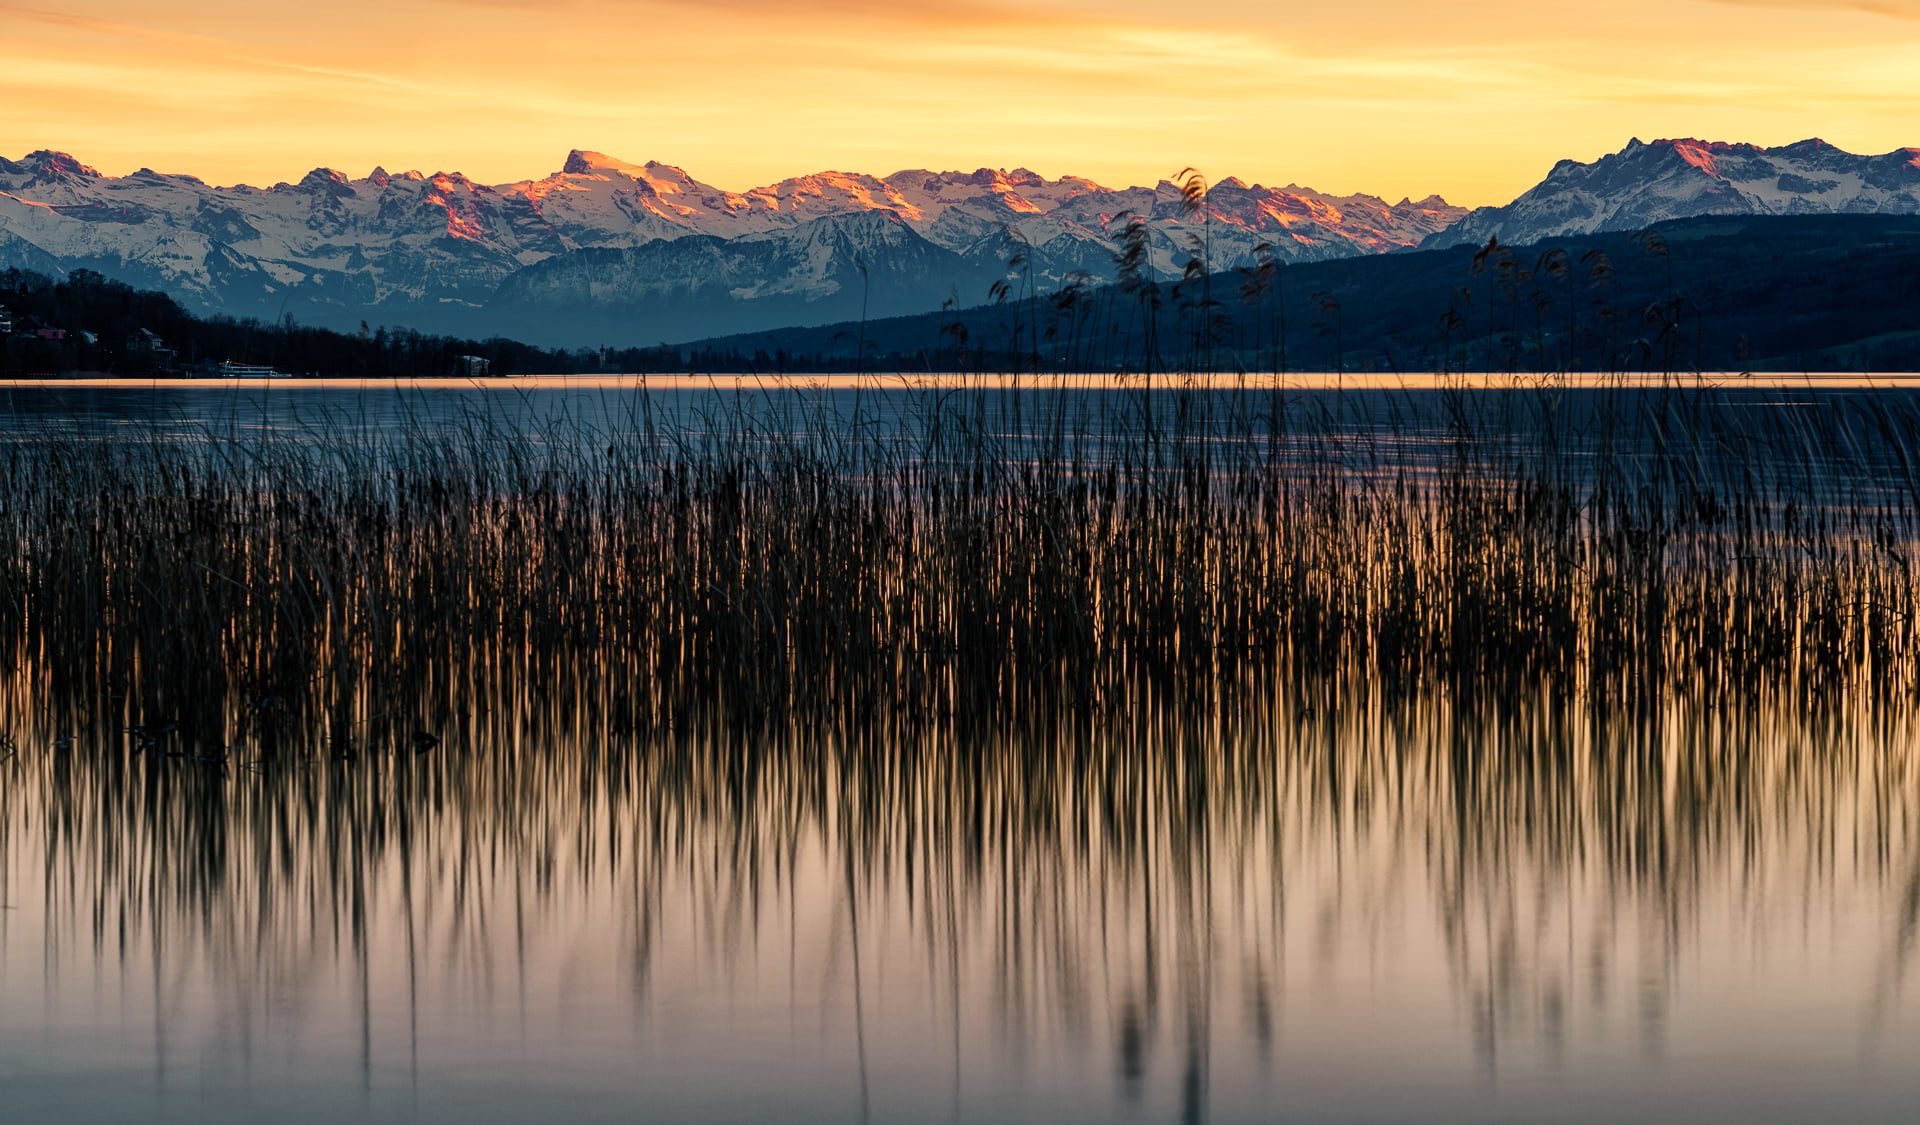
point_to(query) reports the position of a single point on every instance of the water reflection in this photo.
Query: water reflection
(1342, 906)
(738, 766)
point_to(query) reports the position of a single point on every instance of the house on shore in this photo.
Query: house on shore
(148, 350)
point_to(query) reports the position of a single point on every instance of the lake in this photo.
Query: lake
(270, 846)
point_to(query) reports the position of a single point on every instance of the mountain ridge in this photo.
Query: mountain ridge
(585, 254)
(1648, 182)
(437, 250)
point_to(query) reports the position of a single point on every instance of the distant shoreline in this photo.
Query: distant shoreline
(1302, 381)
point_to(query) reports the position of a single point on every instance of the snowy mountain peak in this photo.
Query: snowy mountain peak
(1646, 183)
(1695, 144)
(586, 162)
(50, 165)
(1000, 180)
(326, 181)
(585, 167)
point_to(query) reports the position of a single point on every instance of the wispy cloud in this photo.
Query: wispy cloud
(823, 13)
(1391, 96)
(1895, 9)
(227, 51)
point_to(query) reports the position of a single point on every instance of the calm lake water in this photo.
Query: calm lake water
(1370, 422)
(1345, 906)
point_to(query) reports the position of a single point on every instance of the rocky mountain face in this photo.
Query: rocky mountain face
(1643, 184)
(598, 244)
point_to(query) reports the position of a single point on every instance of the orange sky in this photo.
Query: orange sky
(1393, 97)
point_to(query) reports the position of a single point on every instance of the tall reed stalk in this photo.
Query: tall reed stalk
(962, 550)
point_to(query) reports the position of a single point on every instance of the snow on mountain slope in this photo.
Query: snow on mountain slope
(384, 239)
(398, 247)
(1675, 179)
(597, 200)
(838, 267)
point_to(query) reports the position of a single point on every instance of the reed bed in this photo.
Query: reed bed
(959, 553)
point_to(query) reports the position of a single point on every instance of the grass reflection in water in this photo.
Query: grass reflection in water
(1150, 742)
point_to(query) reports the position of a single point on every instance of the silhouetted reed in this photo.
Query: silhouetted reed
(962, 551)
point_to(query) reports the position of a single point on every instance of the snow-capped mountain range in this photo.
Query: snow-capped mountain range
(1646, 183)
(604, 251)
(599, 236)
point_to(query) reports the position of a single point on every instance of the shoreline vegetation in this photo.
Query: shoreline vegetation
(965, 556)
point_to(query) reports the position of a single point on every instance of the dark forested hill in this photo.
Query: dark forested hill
(1834, 292)
(84, 322)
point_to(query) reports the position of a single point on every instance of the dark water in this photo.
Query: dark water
(1814, 433)
(1352, 906)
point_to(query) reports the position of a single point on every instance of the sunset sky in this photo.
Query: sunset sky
(1393, 97)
